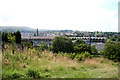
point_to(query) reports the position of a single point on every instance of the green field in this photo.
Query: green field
(29, 63)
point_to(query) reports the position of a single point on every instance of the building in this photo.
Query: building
(37, 40)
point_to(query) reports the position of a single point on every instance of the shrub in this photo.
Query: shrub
(109, 49)
(118, 39)
(79, 57)
(72, 55)
(33, 73)
(36, 74)
(43, 47)
(117, 55)
(27, 44)
(94, 51)
(112, 50)
(83, 56)
(82, 48)
(12, 75)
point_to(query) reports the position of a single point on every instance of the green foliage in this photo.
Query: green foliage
(11, 37)
(53, 66)
(109, 49)
(118, 39)
(112, 50)
(79, 41)
(62, 44)
(113, 38)
(18, 37)
(94, 51)
(78, 56)
(43, 46)
(33, 73)
(27, 44)
(82, 48)
(117, 55)
(4, 37)
(83, 56)
(72, 55)
(12, 74)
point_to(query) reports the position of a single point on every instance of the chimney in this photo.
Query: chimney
(37, 31)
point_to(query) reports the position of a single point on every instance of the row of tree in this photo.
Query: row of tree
(65, 44)
(11, 37)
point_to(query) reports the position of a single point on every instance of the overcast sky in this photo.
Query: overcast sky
(83, 15)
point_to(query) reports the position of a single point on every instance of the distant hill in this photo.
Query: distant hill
(28, 29)
(14, 28)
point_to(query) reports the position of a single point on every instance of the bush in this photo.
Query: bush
(12, 75)
(27, 44)
(43, 47)
(94, 51)
(112, 50)
(117, 55)
(82, 48)
(33, 73)
(83, 56)
(118, 39)
(72, 55)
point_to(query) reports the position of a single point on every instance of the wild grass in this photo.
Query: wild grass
(29, 63)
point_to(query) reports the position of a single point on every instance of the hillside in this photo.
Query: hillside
(28, 29)
(30, 63)
(15, 28)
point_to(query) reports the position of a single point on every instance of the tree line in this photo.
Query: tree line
(79, 48)
(64, 45)
(9, 36)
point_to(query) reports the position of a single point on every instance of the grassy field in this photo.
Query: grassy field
(45, 64)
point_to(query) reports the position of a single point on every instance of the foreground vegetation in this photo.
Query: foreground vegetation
(62, 59)
(30, 63)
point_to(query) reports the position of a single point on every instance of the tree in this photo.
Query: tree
(10, 34)
(11, 38)
(82, 48)
(112, 50)
(117, 55)
(94, 51)
(109, 49)
(113, 38)
(62, 44)
(78, 41)
(34, 34)
(18, 37)
(4, 37)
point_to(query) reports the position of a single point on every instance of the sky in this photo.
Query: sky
(82, 15)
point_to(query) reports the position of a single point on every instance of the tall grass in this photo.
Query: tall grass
(30, 63)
